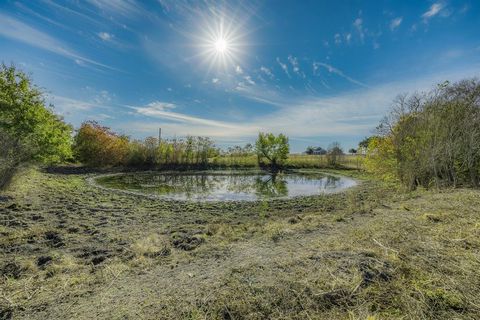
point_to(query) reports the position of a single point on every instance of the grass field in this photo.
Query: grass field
(293, 161)
(70, 251)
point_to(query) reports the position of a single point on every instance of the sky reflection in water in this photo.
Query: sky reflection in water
(227, 186)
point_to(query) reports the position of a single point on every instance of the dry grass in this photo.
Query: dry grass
(69, 251)
(293, 161)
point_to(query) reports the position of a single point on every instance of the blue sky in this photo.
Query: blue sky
(318, 71)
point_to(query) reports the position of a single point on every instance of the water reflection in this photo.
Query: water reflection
(227, 185)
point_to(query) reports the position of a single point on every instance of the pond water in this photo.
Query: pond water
(226, 185)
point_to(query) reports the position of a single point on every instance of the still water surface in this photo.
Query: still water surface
(226, 185)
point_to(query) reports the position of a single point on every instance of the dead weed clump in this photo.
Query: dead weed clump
(152, 246)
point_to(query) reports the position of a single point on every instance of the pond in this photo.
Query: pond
(226, 185)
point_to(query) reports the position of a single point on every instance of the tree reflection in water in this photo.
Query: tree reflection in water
(273, 186)
(236, 185)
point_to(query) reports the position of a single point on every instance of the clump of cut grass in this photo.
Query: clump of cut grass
(152, 246)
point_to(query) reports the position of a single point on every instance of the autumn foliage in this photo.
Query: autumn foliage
(97, 145)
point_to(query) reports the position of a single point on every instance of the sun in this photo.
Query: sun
(221, 40)
(221, 45)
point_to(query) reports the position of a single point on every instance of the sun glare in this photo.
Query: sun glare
(221, 45)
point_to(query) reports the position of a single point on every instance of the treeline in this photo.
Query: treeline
(98, 146)
(430, 139)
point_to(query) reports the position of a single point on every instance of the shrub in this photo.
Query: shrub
(96, 145)
(334, 154)
(431, 138)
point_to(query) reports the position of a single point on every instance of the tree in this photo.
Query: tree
(380, 158)
(431, 139)
(309, 150)
(352, 151)
(363, 145)
(26, 119)
(29, 130)
(334, 154)
(97, 145)
(273, 149)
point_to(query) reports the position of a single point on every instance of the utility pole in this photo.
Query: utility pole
(159, 135)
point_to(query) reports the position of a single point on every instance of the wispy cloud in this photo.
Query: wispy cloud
(249, 80)
(161, 106)
(105, 36)
(283, 66)
(238, 70)
(336, 71)
(160, 110)
(77, 110)
(267, 72)
(434, 10)
(358, 24)
(127, 8)
(337, 38)
(348, 37)
(295, 66)
(65, 104)
(395, 23)
(19, 31)
(31, 12)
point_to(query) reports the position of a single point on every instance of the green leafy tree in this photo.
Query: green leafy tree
(29, 122)
(363, 145)
(272, 149)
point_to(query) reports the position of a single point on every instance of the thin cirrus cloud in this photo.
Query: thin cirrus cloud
(395, 23)
(105, 36)
(238, 69)
(295, 66)
(127, 8)
(67, 106)
(338, 72)
(161, 106)
(16, 30)
(267, 72)
(160, 110)
(358, 24)
(283, 66)
(433, 11)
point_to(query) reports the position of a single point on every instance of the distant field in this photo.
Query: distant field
(294, 161)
